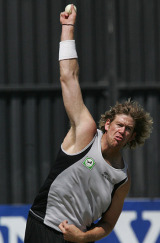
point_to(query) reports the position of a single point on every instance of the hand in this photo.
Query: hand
(71, 232)
(66, 18)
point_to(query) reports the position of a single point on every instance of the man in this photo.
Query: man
(90, 179)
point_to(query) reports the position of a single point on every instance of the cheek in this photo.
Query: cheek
(128, 136)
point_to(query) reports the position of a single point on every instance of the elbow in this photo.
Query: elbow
(110, 228)
(107, 227)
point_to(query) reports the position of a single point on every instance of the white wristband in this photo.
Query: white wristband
(67, 50)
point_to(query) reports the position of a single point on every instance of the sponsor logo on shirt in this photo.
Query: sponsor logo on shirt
(89, 163)
(107, 176)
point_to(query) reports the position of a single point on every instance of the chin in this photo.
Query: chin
(119, 144)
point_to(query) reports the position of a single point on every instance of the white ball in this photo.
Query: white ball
(68, 9)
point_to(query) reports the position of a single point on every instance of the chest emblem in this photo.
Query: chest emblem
(89, 163)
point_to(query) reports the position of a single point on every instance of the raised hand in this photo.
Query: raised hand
(66, 18)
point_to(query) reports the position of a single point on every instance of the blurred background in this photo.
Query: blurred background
(118, 44)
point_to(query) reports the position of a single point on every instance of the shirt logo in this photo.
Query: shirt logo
(89, 163)
(106, 176)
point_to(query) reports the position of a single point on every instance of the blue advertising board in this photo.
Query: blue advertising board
(13, 223)
(138, 223)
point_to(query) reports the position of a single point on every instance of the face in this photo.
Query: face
(120, 130)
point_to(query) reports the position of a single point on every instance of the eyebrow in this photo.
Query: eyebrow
(128, 126)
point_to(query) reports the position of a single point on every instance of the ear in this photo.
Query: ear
(132, 137)
(107, 124)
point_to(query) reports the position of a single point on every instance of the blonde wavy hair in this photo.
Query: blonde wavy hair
(143, 120)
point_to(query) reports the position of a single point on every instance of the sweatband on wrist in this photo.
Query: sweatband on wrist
(67, 50)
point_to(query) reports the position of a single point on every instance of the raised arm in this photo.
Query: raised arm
(83, 126)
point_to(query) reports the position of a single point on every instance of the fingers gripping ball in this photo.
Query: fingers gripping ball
(68, 8)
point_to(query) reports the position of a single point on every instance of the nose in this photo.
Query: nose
(122, 130)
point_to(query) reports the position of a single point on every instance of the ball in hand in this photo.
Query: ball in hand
(68, 9)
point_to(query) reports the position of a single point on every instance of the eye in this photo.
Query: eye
(128, 129)
(119, 125)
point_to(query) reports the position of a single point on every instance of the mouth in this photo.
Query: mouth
(119, 138)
